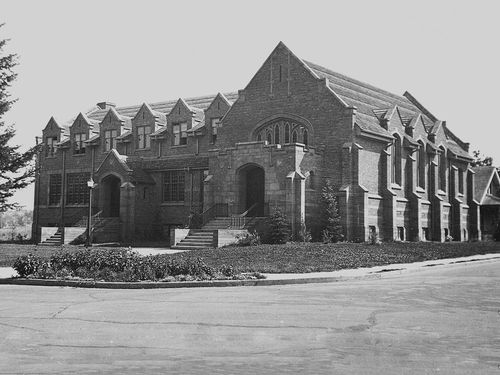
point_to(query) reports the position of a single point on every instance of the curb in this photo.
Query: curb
(176, 284)
(387, 271)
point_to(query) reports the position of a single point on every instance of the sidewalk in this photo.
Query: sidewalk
(296, 278)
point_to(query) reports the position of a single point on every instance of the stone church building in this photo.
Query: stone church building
(399, 171)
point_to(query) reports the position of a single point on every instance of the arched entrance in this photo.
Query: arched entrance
(111, 202)
(251, 178)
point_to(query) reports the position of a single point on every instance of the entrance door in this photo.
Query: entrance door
(252, 188)
(111, 204)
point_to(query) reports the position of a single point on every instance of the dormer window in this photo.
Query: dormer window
(78, 144)
(143, 137)
(180, 134)
(213, 133)
(110, 139)
(50, 146)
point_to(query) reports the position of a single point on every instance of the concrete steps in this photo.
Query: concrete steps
(54, 240)
(107, 230)
(196, 239)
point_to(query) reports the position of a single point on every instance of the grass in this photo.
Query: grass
(293, 258)
(317, 257)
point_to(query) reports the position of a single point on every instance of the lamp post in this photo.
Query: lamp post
(91, 184)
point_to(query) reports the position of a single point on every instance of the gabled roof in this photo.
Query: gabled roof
(483, 177)
(126, 120)
(201, 102)
(363, 96)
(161, 118)
(135, 173)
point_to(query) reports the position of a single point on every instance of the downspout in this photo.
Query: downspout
(63, 194)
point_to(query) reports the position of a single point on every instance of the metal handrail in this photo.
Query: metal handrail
(240, 220)
(218, 209)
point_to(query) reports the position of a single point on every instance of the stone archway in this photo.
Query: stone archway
(251, 185)
(111, 196)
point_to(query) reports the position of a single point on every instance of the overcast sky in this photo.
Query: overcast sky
(74, 54)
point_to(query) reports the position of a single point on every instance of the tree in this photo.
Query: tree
(481, 160)
(16, 171)
(332, 231)
(279, 227)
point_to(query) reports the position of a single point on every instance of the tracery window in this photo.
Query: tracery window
(283, 132)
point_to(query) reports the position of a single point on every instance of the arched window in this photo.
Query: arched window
(277, 133)
(396, 160)
(294, 136)
(269, 137)
(442, 168)
(287, 132)
(259, 136)
(305, 137)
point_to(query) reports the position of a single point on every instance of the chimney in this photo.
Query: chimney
(106, 105)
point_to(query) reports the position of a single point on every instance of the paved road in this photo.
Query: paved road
(443, 321)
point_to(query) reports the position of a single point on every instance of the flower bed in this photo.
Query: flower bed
(122, 265)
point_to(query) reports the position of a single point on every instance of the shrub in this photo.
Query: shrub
(27, 265)
(279, 228)
(249, 239)
(119, 265)
(332, 231)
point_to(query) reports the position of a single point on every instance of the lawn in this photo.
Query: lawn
(317, 257)
(308, 257)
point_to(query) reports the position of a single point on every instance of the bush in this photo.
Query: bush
(27, 265)
(249, 239)
(119, 265)
(332, 231)
(279, 228)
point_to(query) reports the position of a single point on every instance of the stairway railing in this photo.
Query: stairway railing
(217, 210)
(240, 221)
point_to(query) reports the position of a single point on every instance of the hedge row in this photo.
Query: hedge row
(121, 265)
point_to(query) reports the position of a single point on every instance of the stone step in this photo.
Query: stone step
(189, 247)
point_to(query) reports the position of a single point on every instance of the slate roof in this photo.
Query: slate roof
(374, 104)
(362, 95)
(482, 178)
(196, 103)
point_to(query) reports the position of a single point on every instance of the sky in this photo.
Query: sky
(74, 54)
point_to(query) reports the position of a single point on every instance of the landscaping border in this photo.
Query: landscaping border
(378, 272)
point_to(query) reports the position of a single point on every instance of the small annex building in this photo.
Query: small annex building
(400, 172)
(487, 197)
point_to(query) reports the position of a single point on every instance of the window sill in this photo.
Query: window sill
(76, 205)
(441, 192)
(395, 186)
(80, 154)
(179, 146)
(143, 149)
(420, 189)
